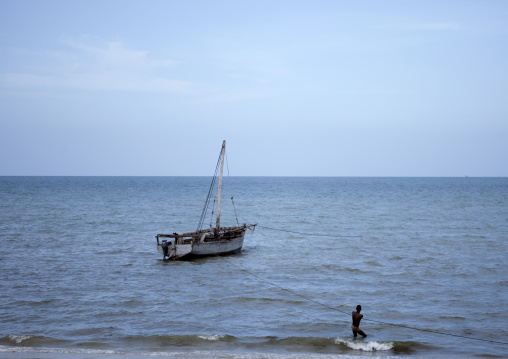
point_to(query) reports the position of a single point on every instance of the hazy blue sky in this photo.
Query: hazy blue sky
(297, 88)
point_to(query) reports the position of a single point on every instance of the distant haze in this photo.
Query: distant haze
(296, 88)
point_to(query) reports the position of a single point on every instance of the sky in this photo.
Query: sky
(296, 88)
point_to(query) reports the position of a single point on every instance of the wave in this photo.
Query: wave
(22, 340)
(60, 351)
(193, 354)
(365, 345)
(19, 338)
(211, 337)
(150, 345)
(375, 346)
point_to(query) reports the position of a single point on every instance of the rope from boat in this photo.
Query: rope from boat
(308, 234)
(365, 319)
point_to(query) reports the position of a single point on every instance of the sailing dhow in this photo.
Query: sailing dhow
(205, 242)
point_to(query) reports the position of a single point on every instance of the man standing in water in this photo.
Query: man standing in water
(356, 322)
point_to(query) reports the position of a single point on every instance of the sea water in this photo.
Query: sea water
(425, 257)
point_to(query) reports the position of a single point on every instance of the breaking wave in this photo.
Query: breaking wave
(365, 346)
(18, 339)
(211, 337)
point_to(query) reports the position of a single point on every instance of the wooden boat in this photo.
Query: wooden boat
(209, 241)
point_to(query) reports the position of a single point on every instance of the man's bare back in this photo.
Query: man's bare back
(355, 327)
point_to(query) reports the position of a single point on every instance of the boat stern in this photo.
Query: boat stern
(171, 250)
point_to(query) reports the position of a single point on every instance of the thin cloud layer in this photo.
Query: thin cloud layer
(98, 65)
(396, 88)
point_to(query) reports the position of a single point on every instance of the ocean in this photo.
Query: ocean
(425, 258)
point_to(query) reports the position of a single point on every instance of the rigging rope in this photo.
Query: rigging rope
(371, 320)
(208, 197)
(234, 207)
(207, 202)
(213, 211)
(232, 201)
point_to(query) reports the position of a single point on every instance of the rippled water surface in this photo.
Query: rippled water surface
(425, 257)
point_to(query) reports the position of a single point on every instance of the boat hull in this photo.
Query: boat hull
(203, 249)
(218, 248)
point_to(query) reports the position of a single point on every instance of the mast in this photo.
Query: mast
(217, 226)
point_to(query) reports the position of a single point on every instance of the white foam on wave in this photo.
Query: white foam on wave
(211, 337)
(365, 346)
(19, 338)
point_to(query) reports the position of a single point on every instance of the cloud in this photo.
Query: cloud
(218, 75)
(95, 64)
(236, 96)
(428, 26)
(436, 26)
(109, 54)
(25, 80)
